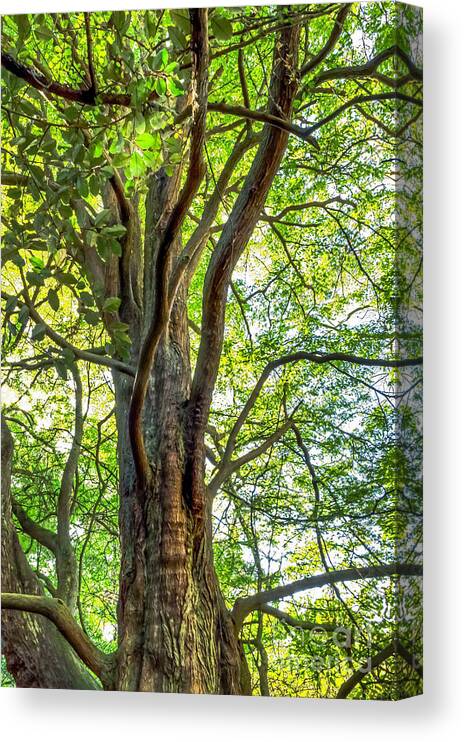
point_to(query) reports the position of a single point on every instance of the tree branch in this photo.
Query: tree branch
(330, 43)
(85, 96)
(266, 118)
(314, 358)
(392, 648)
(308, 205)
(251, 115)
(243, 81)
(369, 69)
(49, 87)
(362, 99)
(92, 78)
(192, 251)
(298, 623)
(234, 237)
(47, 582)
(244, 606)
(14, 179)
(162, 301)
(57, 612)
(42, 535)
(73, 456)
(228, 467)
(84, 355)
(65, 557)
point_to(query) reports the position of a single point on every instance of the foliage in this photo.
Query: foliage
(332, 266)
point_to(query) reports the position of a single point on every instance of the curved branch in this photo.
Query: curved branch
(369, 69)
(49, 87)
(84, 355)
(330, 43)
(228, 467)
(192, 251)
(266, 118)
(163, 302)
(314, 358)
(65, 556)
(57, 612)
(85, 96)
(308, 205)
(243, 80)
(70, 468)
(14, 179)
(234, 237)
(42, 535)
(392, 648)
(362, 99)
(93, 81)
(244, 606)
(249, 114)
(298, 623)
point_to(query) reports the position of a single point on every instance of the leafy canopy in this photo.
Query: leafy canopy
(332, 266)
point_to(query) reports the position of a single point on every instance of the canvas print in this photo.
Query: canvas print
(211, 407)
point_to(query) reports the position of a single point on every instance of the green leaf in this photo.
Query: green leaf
(139, 122)
(117, 145)
(35, 279)
(82, 186)
(43, 32)
(115, 248)
(36, 262)
(177, 37)
(68, 355)
(150, 23)
(116, 230)
(53, 299)
(147, 140)
(181, 20)
(11, 303)
(102, 217)
(38, 332)
(174, 87)
(23, 26)
(136, 165)
(91, 317)
(96, 149)
(67, 279)
(23, 314)
(119, 20)
(61, 368)
(18, 260)
(29, 108)
(111, 304)
(221, 27)
(86, 297)
(160, 86)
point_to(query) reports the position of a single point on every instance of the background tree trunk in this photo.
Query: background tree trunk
(36, 654)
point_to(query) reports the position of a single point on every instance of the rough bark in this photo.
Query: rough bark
(234, 237)
(175, 634)
(36, 654)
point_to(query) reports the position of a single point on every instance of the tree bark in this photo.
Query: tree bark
(174, 631)
(175, 634)
(36, 654)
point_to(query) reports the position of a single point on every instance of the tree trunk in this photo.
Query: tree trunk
(36, 654)
(175, 633)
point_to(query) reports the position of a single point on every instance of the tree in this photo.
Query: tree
(213, 347)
